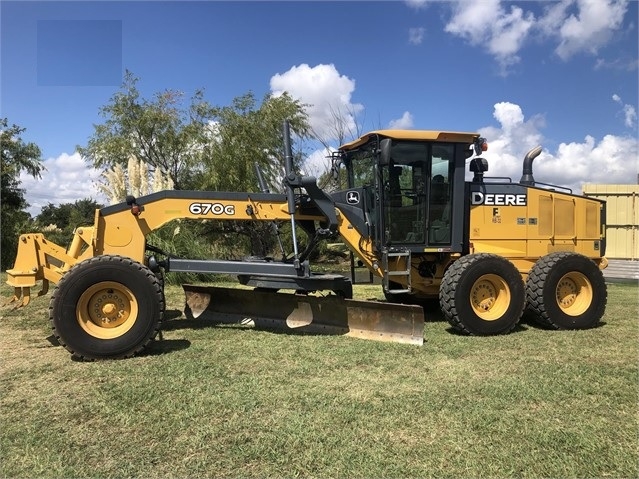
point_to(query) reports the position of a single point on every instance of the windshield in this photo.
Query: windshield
(361, 167)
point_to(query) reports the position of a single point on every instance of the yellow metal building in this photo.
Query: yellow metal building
(622, 218)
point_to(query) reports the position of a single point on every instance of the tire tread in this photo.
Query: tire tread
(148, 275)
(536, 306)
(449, 285)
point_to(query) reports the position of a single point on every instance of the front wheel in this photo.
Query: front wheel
(107, 307)
(566, 290)
(482, 294)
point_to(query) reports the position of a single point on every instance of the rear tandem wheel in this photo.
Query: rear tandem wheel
(566, 290)
(482, 294)
(107, 307)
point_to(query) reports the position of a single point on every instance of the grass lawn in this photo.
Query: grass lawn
(221, 401)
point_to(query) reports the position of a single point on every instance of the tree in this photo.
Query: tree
(161, 132)
(341, 128)
(59, 221)
(199, 146)
(247, 134)
(17, 157)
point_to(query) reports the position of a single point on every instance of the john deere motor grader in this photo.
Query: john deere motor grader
(488, 249)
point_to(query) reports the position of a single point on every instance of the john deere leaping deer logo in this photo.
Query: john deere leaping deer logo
(352, 197)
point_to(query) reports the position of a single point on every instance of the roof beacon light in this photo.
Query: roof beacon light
(480, 145)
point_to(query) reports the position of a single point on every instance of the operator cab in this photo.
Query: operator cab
(402, 187)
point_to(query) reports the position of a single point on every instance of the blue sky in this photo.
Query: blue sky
(560, 74)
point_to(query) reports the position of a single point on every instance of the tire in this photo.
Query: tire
(482, 294)
(566, 290)
(107, 307)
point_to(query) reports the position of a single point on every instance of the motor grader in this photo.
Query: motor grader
(488, 249)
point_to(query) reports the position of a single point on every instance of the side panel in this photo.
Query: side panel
(526, 223)
(355, 205)
(498, 219)
(562, 222)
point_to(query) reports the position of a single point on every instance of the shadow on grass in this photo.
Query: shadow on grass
(525, 324)
(170, 314)
(271, 326)
(252, 324)
(530, 321)
(519, 328)
(165, 346)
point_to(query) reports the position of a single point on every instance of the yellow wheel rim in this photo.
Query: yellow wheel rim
(107, 310)
(574, 293)
(490, 297)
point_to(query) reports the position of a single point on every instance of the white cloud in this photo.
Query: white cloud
(611, 160)
(575, 25)
(592, 162)
(326, 91)
(318, 163)
(67, 179)
(630, 115)
(509, 31)
(417, 4)
(464, 21)
(553, 17)
(591, 27)
(503, 35)
(621, 64)
(403, 123)
(629, 112)
(416, 35)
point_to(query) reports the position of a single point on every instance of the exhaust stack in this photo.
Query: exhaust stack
(527, 173)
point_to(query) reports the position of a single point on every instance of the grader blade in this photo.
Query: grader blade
(373, 320)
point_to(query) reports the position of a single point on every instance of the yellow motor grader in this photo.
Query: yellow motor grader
(487, 249)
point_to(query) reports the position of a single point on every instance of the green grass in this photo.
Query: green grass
(219, 401)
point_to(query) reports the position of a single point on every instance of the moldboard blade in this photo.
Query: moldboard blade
(373, 320)
(197, 299)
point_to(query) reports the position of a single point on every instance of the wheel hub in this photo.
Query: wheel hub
(574, 293)
(490, 297)
(107, 310)
(566, 293)
(484, 296)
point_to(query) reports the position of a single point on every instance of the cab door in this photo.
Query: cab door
(405, 201)
(360, 202)
(416, 194)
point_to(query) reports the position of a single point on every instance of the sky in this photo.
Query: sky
(563, 75)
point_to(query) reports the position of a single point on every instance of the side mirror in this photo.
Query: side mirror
(337, 160)
(385, 152)
(335, 169)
